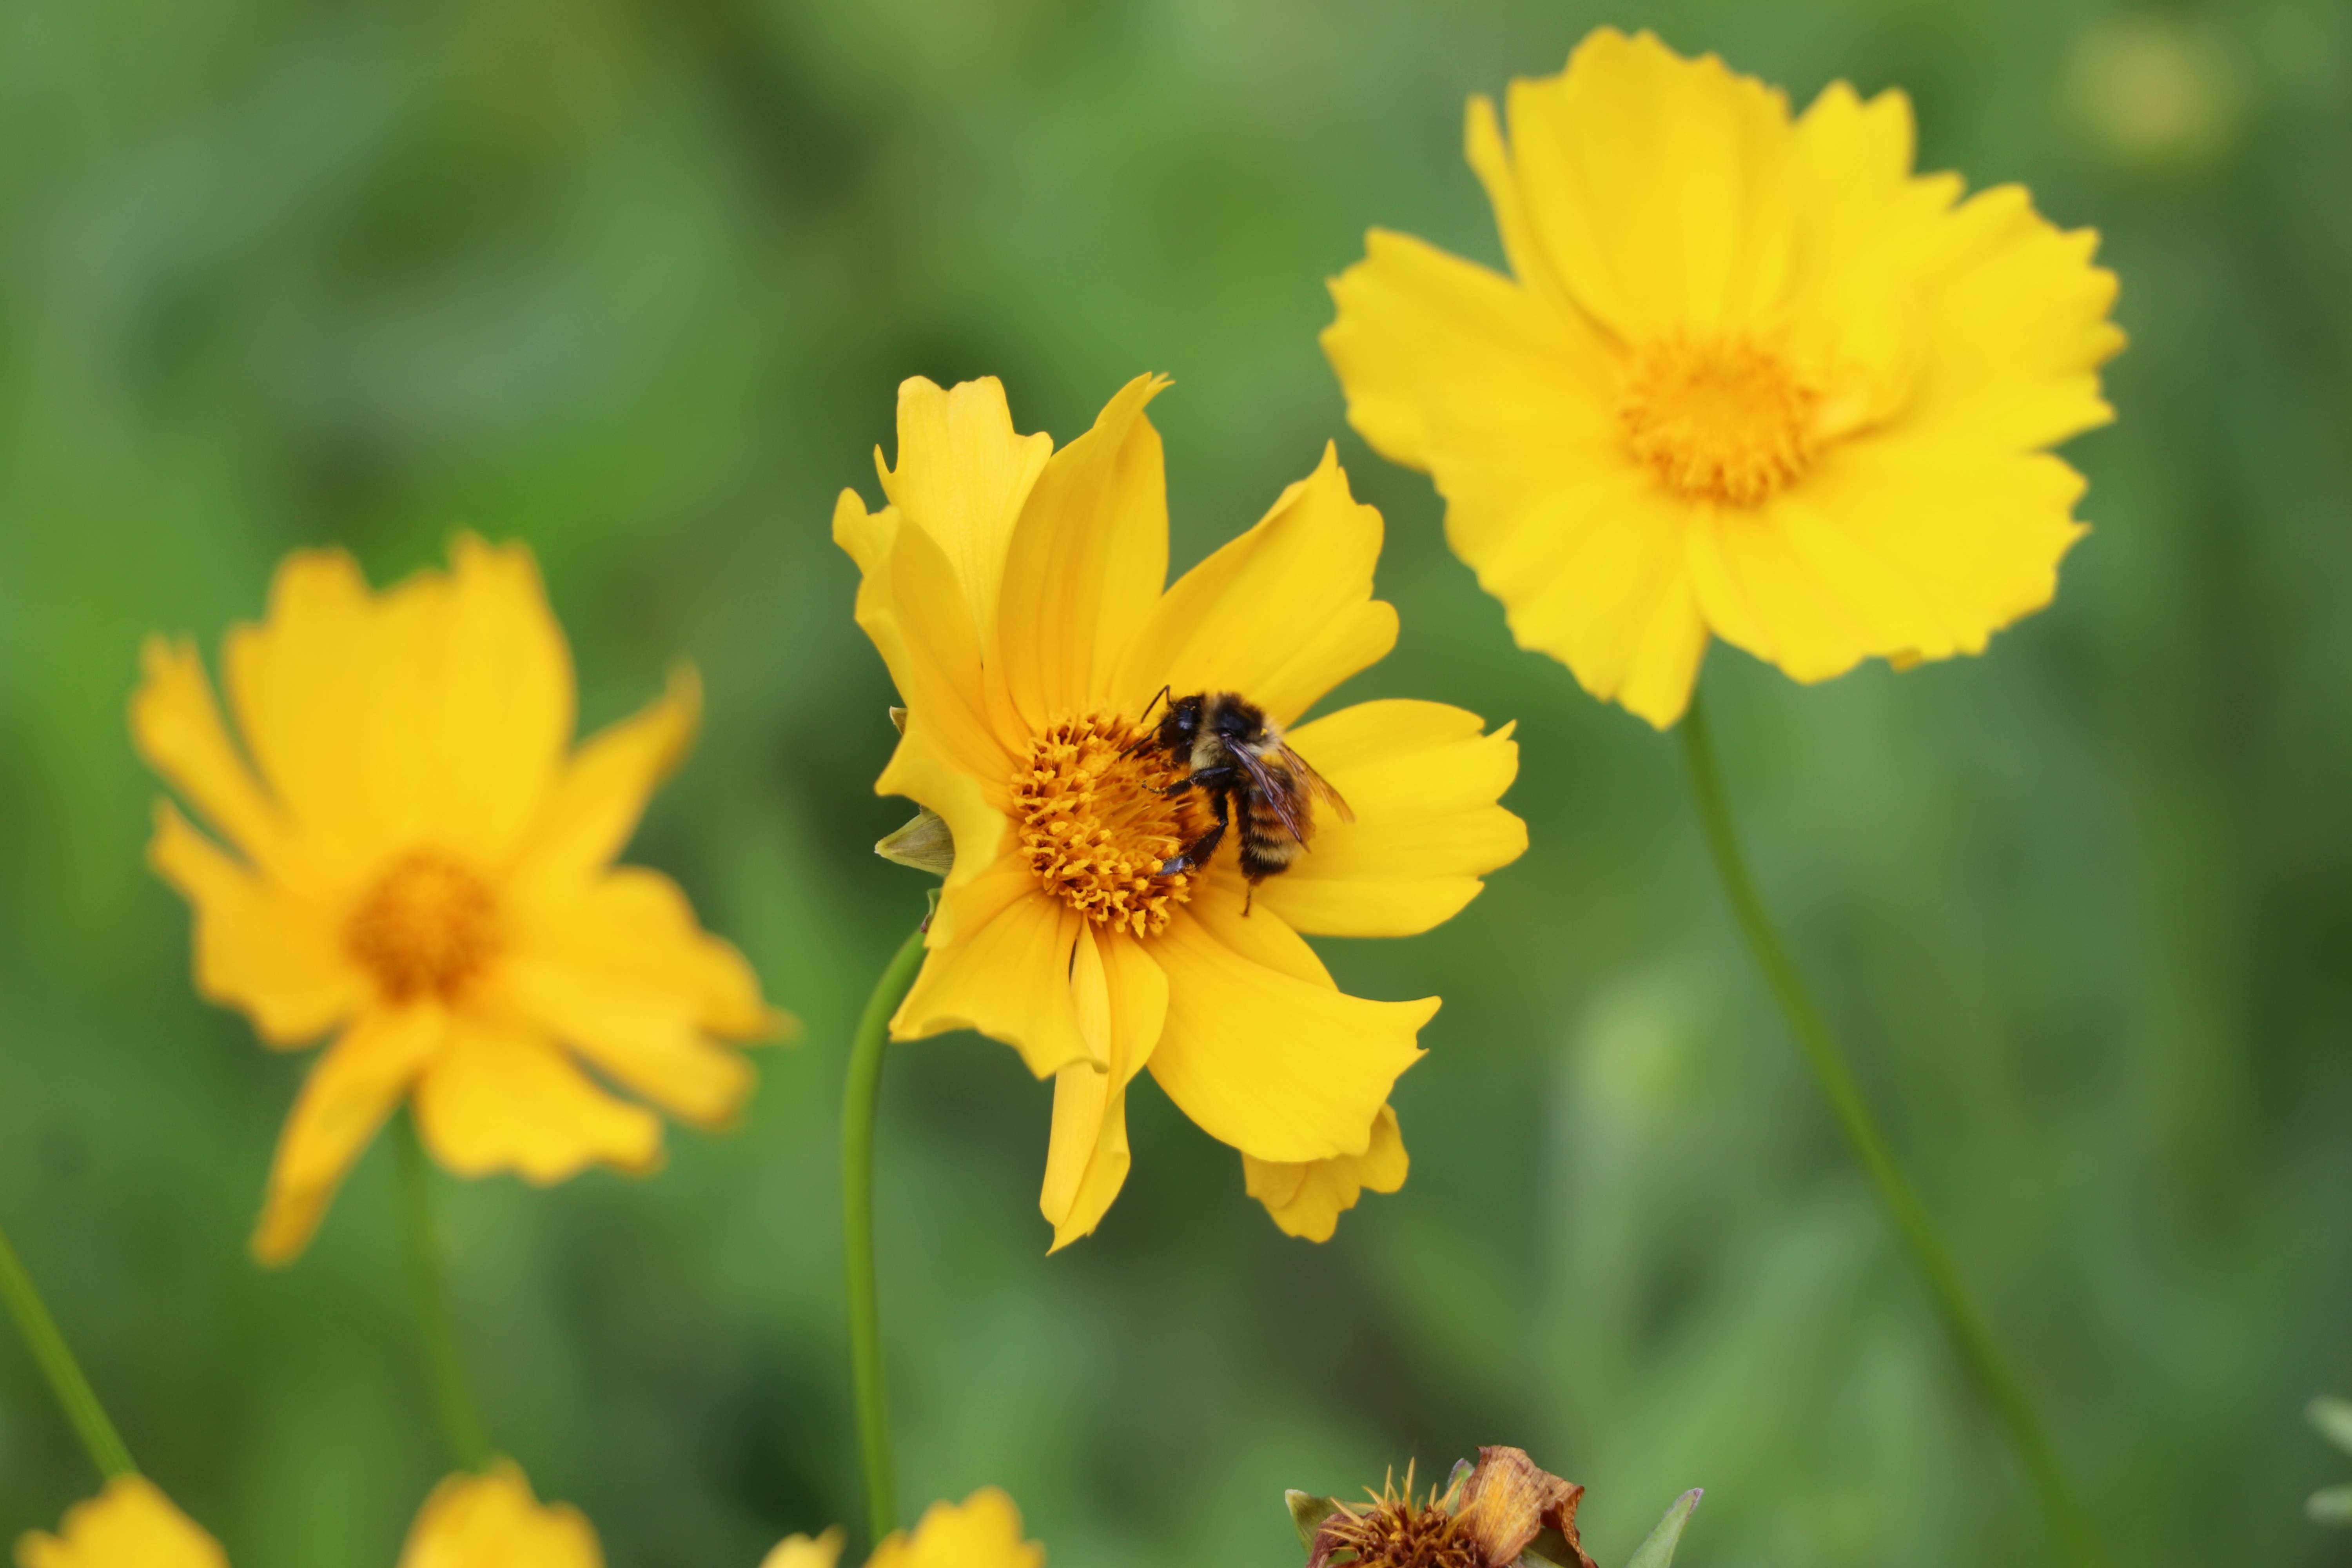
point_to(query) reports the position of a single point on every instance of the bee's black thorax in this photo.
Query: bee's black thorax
(1236, 756)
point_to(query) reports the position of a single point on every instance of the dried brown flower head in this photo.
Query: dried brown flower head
(1502, 1511)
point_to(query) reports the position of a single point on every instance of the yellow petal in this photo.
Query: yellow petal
(943, 678)
(1306, 1200)
(1280, 1066)
(1281, 614)
(1659, 187)
(1896, 548)
(331, 693)
(503, 699)
(1867, 228)
(594, 807)
(1091, 550)
(868, 538)
(1422, 780)
(502, 1099)
(438, 710)
(1490, 160)
(983, 1532)
(963, 475)
(800, 1551)
(1596, 577)
(351, 1088)
(2017, 328)
(258, 947)
(179, 730)
(492, 1521)
(623, 974)
(1451, 368)
(130, 1524)
(939, 637)
(1120, 996)
(1002, 968)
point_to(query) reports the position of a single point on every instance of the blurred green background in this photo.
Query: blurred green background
(634, 280)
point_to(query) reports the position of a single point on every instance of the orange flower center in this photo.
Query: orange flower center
(1723, 419)
(428, 927)
(1097, 826)
(1395, 1532)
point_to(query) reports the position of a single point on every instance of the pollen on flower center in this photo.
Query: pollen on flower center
(426, 928)
(1722, 419)
(1097, 826)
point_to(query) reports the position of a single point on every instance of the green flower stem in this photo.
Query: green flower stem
(859, 1100)
(73, 1391)
(444, 1368)
(2002, 1387)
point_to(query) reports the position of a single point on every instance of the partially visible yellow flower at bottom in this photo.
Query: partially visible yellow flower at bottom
(492, 1521)
(130, 1524)
(982, 1532)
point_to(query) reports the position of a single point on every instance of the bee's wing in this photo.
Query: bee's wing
(1316, 784)
(1272, 788)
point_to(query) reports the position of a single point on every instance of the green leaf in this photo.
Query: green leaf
(1659, 1550)
(2333, 1505)
(2333, 1418)
(1307, 1513)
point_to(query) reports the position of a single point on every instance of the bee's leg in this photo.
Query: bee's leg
(1219, 779)
(1196, 854)
(1248, 899)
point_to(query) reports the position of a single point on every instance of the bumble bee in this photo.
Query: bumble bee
(1261, 788)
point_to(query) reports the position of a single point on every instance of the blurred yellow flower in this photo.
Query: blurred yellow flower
(130, 1524)
(419, 863)
(2156, 89)
(1018, 596)
(805, 1552)
(982, 1532)
(492, 1521)
(1750, 377)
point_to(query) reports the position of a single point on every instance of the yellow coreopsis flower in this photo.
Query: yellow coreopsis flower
(492, 1521)
(982, 1532)
(1750, 376)
(420, 863)
(1019, 595)
(130, 1524)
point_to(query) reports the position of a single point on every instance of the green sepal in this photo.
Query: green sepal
(1308, 1514)
(1658, 1551)
(1550, 1549)
(924, 844)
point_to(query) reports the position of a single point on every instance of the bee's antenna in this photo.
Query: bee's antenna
(1141, 723)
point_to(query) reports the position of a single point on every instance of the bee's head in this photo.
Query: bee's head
(1181, 723)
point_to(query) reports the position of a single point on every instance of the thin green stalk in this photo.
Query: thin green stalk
(2002, 1388)
(73, 1391)
(859, 1098)
(445, 1367)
